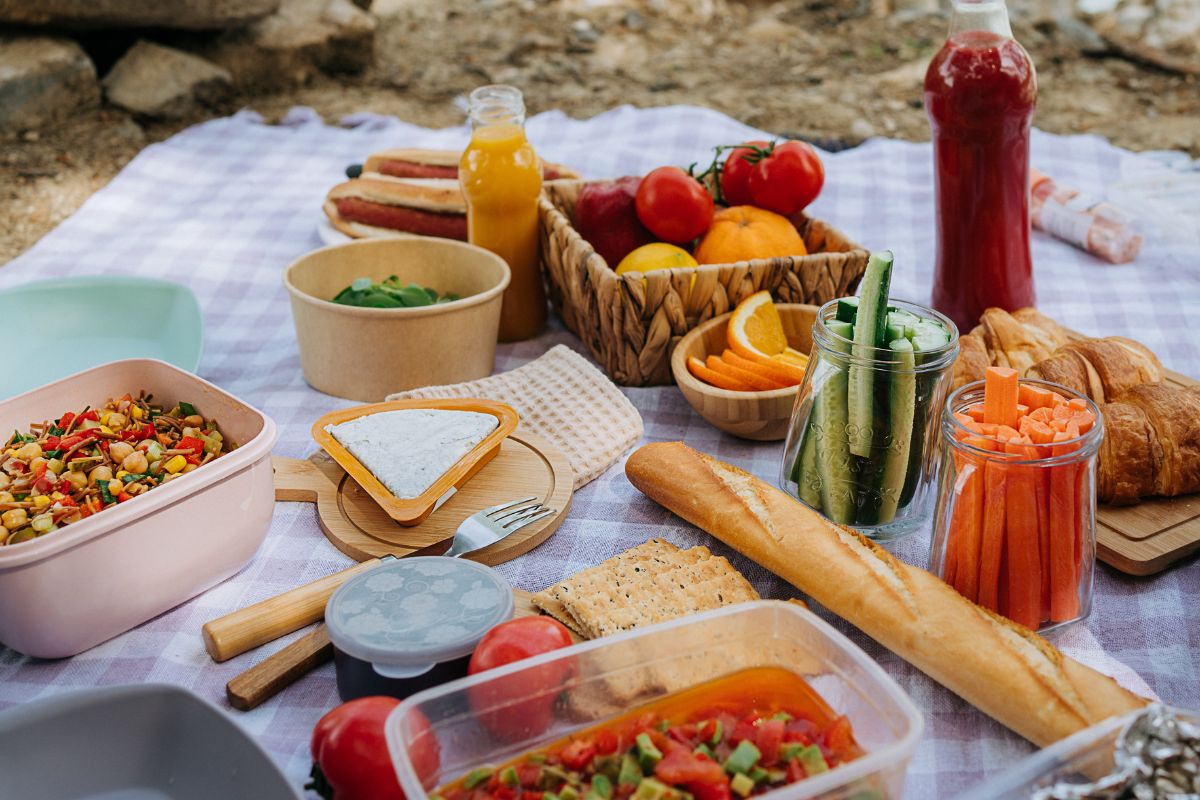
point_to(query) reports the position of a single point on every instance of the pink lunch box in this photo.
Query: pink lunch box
(88, 582)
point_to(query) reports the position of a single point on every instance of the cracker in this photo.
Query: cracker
(555, 608)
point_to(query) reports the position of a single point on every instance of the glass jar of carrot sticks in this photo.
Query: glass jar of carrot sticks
(1015, 529)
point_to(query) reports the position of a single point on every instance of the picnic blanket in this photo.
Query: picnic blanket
(224, 206)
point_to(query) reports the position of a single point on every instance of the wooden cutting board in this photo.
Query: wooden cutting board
(1150, 536)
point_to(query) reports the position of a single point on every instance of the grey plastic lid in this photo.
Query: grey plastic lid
(406, 616)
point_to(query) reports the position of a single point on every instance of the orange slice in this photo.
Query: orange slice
(793, 357)
(755, 330)
(697, 368)
(755, 381)
(780, 373)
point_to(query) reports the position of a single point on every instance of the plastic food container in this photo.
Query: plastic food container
(76, 587)
(612, 675)
(1048, 547)
(413, 511)
(1080, 759)
(410, 624)
(145, 742)
(884, 491)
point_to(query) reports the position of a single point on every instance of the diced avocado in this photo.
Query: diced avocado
(537, 758)
(836, 481)
(609, 765)
(869, 334)
(630, 772)
(718, 733)
(776, 775)
(662, 726)
(743, 758)
(902, 406)
(601, 787)
(703, 749)
(783, 716)
(477, 777)
(509, 777)
(549, 796)
(568, 793)
(812, 760)
(742, 784)
(758, 774)
(789, 750)
(847, 309)
(650, 789)
(648, 755)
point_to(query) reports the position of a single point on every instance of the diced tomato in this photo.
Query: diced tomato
(684, 734)
(529, 775)
(795, 772)
(532, 795)
(503, 792)
(710, 791)
(838, 738)
(744, 729)
(681, 765)
(800, 730)
(708, 730)
(606, 742)
(768, 738)
(578, 754)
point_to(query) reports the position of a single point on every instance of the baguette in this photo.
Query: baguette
(1008, 672)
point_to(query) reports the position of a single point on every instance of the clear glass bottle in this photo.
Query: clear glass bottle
(885, 493)
(501, 178)
(1015, 529)
(980, 93)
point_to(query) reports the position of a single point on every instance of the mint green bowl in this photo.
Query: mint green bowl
(70, 324)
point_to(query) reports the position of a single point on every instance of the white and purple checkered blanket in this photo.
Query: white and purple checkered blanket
(223, 207)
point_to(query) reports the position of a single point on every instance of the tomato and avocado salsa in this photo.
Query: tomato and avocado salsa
(744, 734)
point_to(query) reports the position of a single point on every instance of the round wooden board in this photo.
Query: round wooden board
(527, 465)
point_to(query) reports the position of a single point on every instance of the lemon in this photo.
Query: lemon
(658, 255)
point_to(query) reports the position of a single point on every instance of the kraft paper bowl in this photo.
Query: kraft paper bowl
(762, 416)
(368, 353)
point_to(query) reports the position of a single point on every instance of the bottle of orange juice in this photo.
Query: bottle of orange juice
(501, 179)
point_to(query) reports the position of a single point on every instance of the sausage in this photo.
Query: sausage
(402, 218)
(409, 169)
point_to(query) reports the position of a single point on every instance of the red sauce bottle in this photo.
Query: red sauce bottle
(980, 92)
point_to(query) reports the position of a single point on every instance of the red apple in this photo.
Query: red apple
(606, 215)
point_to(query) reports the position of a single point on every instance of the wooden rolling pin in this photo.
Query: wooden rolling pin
(265, 621)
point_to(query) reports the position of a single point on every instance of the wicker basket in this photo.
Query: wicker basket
(631, 323)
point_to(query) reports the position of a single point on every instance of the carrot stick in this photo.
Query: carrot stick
(975, 412)
(1024, 579)
(965, 527)
(1064, 582)
(1034, 396)
(1000, 396)
(1043, 509)
(991, 548)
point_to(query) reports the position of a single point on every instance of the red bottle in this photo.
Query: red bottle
(980, 91)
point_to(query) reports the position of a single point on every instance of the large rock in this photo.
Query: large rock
(302, 38)
(156, 81)
(42, 80)
(189, 14)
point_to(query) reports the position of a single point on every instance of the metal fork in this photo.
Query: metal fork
(490, 525)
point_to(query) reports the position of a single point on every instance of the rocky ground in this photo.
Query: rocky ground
(827, 70)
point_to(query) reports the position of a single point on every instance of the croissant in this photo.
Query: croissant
(1103, 369)
(1151, 444)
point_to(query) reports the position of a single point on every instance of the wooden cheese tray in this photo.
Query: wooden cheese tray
(1148, 537)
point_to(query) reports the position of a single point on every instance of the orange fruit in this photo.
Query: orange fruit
(779, 372)
(702, 372)
(793, 357)
(742, 233)
(751, 379)
(755, 330)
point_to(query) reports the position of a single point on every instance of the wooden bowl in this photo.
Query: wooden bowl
(762, 416)
(368, 353)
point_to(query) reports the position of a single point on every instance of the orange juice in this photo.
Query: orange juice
(501, 179)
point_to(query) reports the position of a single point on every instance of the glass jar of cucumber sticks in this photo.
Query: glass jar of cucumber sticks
(862, 444)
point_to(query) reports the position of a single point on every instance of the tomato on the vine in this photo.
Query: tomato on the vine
(735, 174)
(673, 205)
(787, 178)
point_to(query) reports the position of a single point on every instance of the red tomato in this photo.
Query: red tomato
(768, 738)
(578, 754)
(606, 742)
(788, 179)
(506, 643)
(735, 175)
(351, 755)
(710, 791)
(674, 206)
(681, 765)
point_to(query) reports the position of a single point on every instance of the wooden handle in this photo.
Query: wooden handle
(274, 674)
(235, 633)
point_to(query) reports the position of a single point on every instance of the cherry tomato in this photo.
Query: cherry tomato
(735, 175)
(506, 643)
(788, 179)
(351, 755)
(673, 205)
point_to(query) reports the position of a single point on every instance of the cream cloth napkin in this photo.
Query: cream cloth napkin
(564, 399)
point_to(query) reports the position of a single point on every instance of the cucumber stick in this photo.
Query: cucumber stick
(870, 331)
(805, 472)
(833, 445)
(902, 404)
